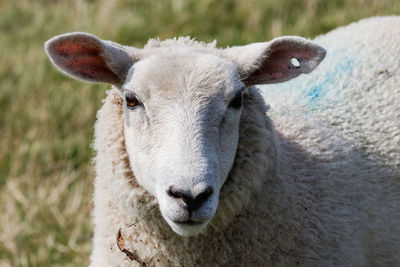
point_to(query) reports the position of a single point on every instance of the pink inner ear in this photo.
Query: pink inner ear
(277, 66)
(83, 58)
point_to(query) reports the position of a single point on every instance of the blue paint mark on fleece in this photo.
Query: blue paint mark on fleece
(319, 90)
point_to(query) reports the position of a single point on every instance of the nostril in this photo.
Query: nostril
(199, 200)
(174, 193)
(203, 196)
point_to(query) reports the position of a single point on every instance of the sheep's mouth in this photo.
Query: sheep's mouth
(188, 222)
(187, 228)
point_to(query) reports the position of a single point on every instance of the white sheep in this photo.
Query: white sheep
(184, 132)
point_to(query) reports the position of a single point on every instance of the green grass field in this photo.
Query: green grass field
(46, 119)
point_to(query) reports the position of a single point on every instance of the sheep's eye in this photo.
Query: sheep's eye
(237, 101)
(131, 101)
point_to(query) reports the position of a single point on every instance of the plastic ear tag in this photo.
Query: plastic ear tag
(295, 62)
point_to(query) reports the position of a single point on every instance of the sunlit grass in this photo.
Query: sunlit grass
(46, 119)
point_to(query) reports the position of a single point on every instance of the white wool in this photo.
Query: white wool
(180, 41)
(344, 117)
(328, 193)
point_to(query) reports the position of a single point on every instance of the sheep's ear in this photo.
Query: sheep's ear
(276, 61)
(86, 57)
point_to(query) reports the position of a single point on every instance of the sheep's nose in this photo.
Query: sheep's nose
(191, 203)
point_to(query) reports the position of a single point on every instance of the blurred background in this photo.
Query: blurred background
(46, 119)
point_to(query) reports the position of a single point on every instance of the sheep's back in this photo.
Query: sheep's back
(355, 90)
(339, 129)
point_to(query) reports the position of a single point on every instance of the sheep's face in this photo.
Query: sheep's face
(182, 109)
(182, 132)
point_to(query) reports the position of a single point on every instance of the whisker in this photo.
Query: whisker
(141, 219)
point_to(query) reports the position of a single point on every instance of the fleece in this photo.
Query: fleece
(315, 181)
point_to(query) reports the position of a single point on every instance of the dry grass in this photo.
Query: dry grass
(46, 120)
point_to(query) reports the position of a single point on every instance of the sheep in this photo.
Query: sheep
(194, 169)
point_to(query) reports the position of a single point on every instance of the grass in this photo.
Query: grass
(46, 119)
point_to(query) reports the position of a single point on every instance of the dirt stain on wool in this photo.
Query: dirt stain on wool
(132, 256)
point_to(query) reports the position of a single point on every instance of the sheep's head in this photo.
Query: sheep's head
(182, 109)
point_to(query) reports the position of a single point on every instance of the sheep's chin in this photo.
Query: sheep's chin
(187, 230)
